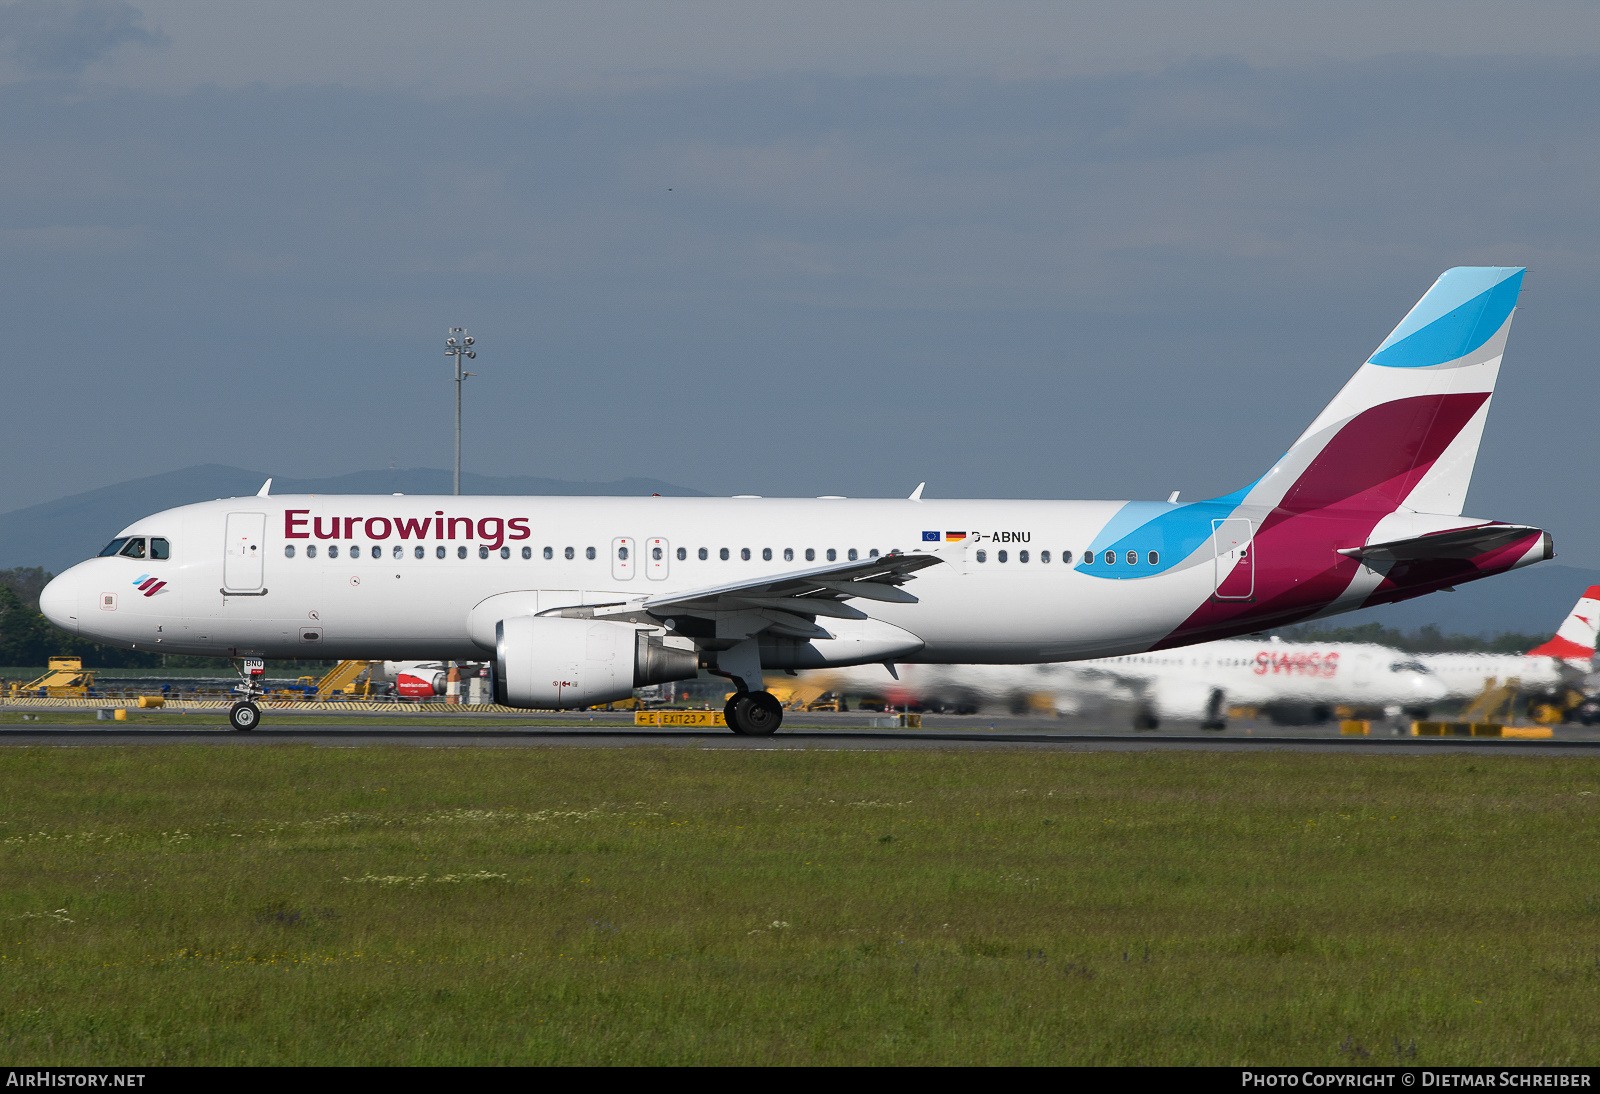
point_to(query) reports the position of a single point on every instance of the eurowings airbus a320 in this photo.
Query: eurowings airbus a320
(580, 600)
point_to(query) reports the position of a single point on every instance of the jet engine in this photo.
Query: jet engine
(554, 663)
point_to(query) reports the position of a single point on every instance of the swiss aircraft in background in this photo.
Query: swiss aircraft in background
(1291, 683)
(1561, 662)
(581, 600)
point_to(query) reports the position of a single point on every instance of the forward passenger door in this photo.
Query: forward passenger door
(244, 552)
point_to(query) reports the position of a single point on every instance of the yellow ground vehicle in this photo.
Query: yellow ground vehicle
(346, 677)
(66, 679)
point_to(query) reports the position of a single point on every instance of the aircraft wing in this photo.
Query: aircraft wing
(818, 590)
(1462, 543)
(787, 603)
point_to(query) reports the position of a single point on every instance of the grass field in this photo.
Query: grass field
(305, 905)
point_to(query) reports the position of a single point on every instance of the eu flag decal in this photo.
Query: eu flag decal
(930, 537)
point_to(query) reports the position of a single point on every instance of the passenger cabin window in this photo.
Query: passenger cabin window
(505, 552)
(1066, 557)
(1022, 556)
(588, 552)
(549, 552)
(811, 554)
(744, 553)
(159, 548)
(766, 554)
(399, 551)
(1000, 556)
(333, 550)
(438, 552)
(872, 553)
(852, 555)
(983, 556)
(527, 552)
(135, 548)
(571, 554)
(483, 551)
(702, 554)
(683, 553)
(832, 554)
(788, 554)
(622, 553)
(288, 551)
(311, 550)
(1044, 556)
(1155, 559)
(461, 552)
(1133, 558)
(419, 552)
(723, 554)
(1111, 558)
(114, 547)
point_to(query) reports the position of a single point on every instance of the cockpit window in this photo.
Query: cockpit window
(159, 548)
(113, 547)
(135, 548)
(1409, 666)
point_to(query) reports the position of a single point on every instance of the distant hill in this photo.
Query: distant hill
(57, 534)
(1530, 601)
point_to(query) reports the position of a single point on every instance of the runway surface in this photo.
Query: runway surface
(836, 732)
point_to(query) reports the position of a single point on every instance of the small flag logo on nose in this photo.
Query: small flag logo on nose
(148, 585)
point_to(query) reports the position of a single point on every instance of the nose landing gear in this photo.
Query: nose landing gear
(245, 715)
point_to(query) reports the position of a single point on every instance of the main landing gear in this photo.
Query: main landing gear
(245, 715)
(753, 713)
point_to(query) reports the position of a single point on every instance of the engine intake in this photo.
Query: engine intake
(551, 663)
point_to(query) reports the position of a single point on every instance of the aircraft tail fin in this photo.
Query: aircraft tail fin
(1576, 638)
(1404, 432)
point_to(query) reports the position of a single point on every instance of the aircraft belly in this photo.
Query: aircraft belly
(1052, 617)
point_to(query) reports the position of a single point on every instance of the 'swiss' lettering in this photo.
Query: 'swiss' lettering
(493, 531)
(1296, 663)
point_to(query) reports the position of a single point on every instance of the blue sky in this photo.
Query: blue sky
(1052, 250)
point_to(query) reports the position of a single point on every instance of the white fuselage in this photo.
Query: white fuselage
(1465, 675)
(347, 601)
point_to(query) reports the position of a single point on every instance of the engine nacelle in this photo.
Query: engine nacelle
(552, 663)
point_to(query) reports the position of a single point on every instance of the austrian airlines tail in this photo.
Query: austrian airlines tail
(1574, 642)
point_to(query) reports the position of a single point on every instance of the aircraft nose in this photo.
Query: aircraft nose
(1430, 687)
(59, 602)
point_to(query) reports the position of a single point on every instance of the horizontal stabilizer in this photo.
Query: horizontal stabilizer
(1462, 543)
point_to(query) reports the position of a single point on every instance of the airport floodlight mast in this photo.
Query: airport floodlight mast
(457, 345)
